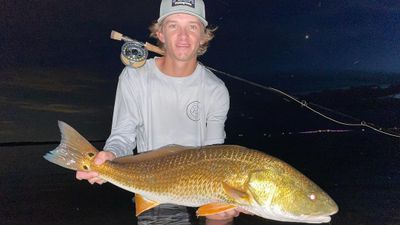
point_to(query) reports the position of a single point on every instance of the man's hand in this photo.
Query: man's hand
(93, 177)
(228, 215)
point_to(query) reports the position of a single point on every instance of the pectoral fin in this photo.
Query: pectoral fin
(214, 208)
(239, 196)
(142, 204)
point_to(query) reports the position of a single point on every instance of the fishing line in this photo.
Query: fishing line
(133, 54)
(306, 105)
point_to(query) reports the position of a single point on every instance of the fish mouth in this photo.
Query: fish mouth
(306, 219)
(321, 218)
(300, 218)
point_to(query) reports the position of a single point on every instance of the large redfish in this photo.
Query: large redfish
(215, 178)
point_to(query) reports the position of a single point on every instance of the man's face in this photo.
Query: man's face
(182, 34)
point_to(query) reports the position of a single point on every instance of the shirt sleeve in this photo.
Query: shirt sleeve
(216, 117)
(126, 118)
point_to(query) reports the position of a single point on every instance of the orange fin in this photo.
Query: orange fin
(214, 208)
(142, 204)
(238, 195)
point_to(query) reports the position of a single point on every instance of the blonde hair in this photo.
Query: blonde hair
(208, 36)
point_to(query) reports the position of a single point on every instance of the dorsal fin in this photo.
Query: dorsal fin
(161, 152)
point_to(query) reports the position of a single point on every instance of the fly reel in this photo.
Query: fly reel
(134, 53)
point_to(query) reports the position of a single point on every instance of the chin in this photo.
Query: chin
(185, 58)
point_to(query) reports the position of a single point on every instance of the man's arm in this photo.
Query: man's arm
(126, 116)
(123, 134)
(217, 115)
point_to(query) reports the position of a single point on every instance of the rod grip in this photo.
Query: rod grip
(153, 48)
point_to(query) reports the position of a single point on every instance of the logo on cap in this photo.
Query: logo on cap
(190, 3)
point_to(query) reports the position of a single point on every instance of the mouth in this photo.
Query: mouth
(322, 218)
(182, 45)
(325, 218)
(313, 219)
(305, 219)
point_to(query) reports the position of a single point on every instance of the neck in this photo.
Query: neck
(176, 68)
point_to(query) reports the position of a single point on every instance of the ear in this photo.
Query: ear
(160, 36)
(202, 41)
(203, 38)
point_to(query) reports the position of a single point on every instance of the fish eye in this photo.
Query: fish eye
(85, 167)
(312, 197)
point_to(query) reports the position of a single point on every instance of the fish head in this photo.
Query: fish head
(284, 194)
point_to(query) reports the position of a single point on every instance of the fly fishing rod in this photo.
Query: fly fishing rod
(133, 52)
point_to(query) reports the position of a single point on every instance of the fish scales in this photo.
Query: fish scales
(194, 173)
(214, 178)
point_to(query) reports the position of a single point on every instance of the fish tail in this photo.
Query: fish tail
(74, 151)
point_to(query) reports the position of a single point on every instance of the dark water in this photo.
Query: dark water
(358, 169)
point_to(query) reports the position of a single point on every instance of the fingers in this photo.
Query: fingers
(100, 158)
(81, 175)
(93, 177)
(96, 180)
(103, 156)
(219, 222)
(232, 213)
(225, 215)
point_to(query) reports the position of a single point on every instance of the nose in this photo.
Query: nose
(183, 34)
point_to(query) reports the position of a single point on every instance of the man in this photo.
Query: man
(171, 99)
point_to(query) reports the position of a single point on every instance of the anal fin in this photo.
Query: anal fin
(214, 208)
(142, 204)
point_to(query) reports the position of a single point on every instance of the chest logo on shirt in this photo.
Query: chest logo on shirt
(193, 111)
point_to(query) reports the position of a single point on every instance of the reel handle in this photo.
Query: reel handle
(134, 53)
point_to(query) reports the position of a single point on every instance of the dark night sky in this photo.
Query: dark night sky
(57, 61)
(253, 36)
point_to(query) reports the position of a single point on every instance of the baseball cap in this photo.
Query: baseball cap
(192, 7)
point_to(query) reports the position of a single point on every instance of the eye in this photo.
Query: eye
(193, 27)
(312, 197)
(171, 26)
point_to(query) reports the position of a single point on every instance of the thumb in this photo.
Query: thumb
(99, 158)
(102, 156)
(98, 161)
